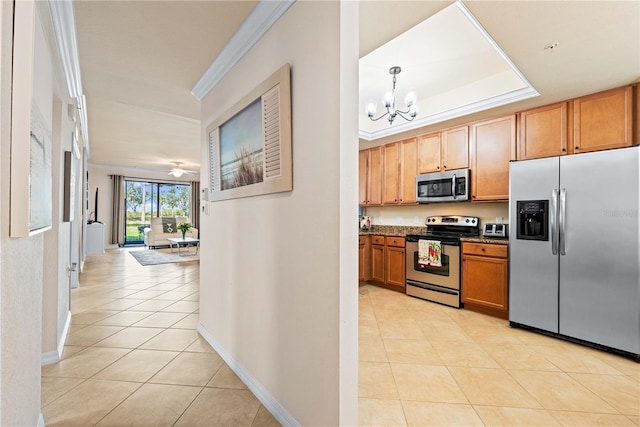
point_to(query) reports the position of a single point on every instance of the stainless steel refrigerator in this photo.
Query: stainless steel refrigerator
(574, 251)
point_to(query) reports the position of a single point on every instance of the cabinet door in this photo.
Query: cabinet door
(543, 132)
(377, 263)
(455, 148)
(493, 145)
(364, 258)
(603, 120)
(408, 170)
(374, 177)
(363, 159)
(390, 187)
(395, 266)
(484, 281)
(429, 153)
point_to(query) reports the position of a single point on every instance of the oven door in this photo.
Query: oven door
(447, 276)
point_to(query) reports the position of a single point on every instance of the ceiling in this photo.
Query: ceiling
(140, 60)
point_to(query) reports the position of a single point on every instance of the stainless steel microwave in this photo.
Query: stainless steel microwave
(448, 186)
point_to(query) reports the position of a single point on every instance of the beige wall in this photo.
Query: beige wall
(279, 270)
(406, 215)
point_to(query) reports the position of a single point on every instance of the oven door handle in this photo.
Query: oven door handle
(453, 186)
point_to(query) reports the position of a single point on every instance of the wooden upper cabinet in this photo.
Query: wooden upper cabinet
(544, 132)
(603, 120)
(391, 172)
(444, 150)
(429, 153)
(363, 161)
(408, 170)
(493, 145)
(374, 176)
(455, 148)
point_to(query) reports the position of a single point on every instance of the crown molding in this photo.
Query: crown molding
(261, 18)
(64, 26)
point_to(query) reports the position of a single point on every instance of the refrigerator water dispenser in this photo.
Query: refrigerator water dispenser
(533, 220)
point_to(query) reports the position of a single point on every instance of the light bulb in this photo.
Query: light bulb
(413, 109)
(177, 173)
(387, 100)
(410, 99)
(371, 108)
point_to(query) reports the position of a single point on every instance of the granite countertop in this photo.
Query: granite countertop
(492, 240)
(403, 230)
(393, 230)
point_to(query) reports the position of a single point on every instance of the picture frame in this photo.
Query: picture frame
(250, 147)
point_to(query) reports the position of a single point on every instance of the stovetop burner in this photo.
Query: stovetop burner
(450, 227)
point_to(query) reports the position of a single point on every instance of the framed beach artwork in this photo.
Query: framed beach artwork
(250, 145)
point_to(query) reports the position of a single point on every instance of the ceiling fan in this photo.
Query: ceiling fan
(178, 171)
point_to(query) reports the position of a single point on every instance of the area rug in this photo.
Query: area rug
(162, 256)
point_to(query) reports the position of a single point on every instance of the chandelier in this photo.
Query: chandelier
(389, 102)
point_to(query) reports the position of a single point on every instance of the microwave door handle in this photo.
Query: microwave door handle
(553, 220)
(453, 186)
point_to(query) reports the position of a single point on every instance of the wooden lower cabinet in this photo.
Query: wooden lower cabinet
(364, 258)
(485, 278)
(377, 259)
(387, 261)
(394, 261)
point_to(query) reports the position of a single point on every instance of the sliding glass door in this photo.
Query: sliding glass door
(145, 200)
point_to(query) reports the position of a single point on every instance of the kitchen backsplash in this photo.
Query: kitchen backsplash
(415, 215)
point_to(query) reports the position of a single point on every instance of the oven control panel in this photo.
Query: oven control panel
(463, 221)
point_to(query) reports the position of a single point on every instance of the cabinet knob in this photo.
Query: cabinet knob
(576, 148)
(437, 167)
(482, 249)
(564, 150)
(445, 166)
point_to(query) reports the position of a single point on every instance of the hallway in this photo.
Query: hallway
(133, 356)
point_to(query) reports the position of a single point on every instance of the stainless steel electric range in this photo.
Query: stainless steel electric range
(439, 284)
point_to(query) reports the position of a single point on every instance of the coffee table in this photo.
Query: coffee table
(179, 242)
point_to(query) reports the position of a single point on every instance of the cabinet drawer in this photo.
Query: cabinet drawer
(395, 241)
(484, 249)
(377, 240)
(362, 240)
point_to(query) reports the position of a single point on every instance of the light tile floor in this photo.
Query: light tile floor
(134, 358)
(423, 364)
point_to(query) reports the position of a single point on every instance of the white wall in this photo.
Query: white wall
(34, 288)
(273, 284)
(20, 276)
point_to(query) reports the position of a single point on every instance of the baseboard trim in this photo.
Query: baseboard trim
(263, 395)
(41, 420)
(54, 356)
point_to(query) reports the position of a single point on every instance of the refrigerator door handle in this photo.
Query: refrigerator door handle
(561, 221)
(553, 219)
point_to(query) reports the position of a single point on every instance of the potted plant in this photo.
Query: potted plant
(184, 227)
